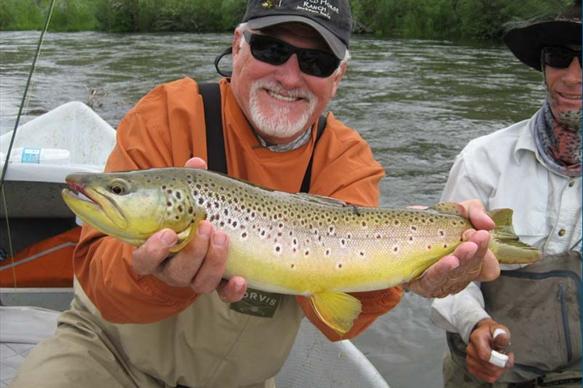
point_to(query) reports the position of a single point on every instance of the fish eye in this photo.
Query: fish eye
(119, 187)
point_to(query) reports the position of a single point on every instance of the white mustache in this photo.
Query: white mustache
(279, 124)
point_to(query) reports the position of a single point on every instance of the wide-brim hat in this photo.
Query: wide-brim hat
(527, 39)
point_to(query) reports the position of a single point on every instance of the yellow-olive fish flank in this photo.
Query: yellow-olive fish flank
(286, 243)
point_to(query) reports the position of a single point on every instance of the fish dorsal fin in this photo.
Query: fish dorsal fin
(338, 310)
(322, 200)
(449, 208)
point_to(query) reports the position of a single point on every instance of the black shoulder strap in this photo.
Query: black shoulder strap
(308, 176)
(215, 142)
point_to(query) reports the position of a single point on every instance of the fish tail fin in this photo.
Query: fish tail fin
(338, 310)
(505, 244)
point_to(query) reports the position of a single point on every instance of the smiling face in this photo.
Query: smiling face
(564, 91)
(281, 102)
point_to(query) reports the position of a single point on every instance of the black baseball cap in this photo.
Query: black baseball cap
(331, 18)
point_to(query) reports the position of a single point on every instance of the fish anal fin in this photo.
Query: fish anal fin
(337, 310)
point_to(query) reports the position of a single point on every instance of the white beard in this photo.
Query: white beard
(278, 123)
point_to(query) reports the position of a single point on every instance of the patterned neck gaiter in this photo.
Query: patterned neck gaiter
(558, 141)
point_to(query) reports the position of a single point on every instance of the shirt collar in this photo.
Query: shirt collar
(526, 139)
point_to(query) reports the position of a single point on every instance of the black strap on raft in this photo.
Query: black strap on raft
(215, 141)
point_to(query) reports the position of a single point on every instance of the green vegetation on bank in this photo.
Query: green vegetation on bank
(437, 19)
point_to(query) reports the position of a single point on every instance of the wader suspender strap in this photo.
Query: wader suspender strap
(215, 142)
(308, 176)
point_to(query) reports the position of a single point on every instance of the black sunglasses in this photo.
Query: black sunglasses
(560, 57)
(318, 63)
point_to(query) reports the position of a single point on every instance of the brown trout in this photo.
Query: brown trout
(285, 243)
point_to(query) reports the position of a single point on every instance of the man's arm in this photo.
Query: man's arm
(142, 285)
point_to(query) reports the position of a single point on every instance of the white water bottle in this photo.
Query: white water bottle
(35, 155)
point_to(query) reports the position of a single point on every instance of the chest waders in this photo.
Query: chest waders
(540, 304)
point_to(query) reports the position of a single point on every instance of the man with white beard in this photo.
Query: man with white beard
(143, 317)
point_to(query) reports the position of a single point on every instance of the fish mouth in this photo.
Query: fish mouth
(77, 191)
(92, 206)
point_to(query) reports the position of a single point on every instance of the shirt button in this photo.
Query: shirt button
(562, 232)
(571, 184)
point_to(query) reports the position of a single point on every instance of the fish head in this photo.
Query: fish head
(130, 205)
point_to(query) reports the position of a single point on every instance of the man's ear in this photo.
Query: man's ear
(236, 44)
(337, 77)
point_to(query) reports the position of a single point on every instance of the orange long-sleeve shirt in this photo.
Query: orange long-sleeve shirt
(165, 129)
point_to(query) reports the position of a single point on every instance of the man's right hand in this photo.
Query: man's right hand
(480, 347)
(200, 265)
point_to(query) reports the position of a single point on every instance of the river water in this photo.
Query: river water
(417, 102)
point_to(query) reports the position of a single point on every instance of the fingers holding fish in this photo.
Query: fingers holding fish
(232, 290)
(489, 267)
(454, 272)
(474, 210)
(213, 261)
(149, 256)
(195, 163)
(178, 270)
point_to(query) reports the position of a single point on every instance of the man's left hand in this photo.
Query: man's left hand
(471, 260)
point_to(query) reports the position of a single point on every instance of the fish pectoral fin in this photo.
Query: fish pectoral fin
(338, 310)
(184, 237)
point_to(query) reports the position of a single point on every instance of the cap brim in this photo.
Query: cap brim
(527, 42)
(335, 44)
